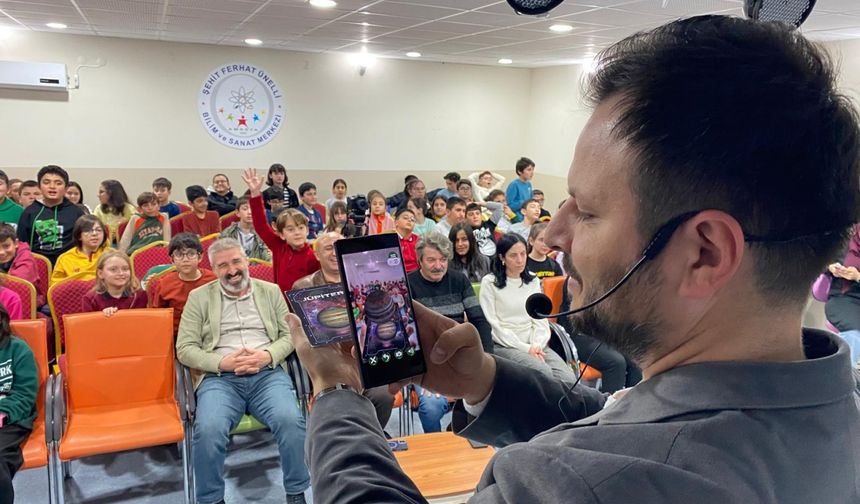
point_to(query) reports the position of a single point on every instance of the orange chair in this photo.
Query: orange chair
(25, 290)
(65, 297)
(154, 254)
(229, 218)
(261, 270)
(553, 287)
(35, 449)
(207, 241)
(122, 390)
(182, 207)
(176, 224)
(589, 374)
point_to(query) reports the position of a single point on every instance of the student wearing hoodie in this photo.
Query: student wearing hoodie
(9, 210)
(47, 226)
(17, 260)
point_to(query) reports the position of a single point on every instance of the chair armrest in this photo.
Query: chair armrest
(559, 334)
(190, 399)
(49, 409)
(179, 391)
(58, 410)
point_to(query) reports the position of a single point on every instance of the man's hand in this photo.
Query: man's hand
(228, 362)
(456, 363)
(249, 175)
(537, 352)
(252, 361)
(328, 365)
(848, 273)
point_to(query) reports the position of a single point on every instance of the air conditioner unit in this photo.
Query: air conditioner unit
(34, 76)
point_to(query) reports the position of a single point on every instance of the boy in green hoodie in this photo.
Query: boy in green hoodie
(9, 210)
(19, 385)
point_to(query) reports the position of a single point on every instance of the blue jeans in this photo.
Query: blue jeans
(270, 397)
(431, 409)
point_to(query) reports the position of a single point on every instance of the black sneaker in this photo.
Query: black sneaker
(296, 499)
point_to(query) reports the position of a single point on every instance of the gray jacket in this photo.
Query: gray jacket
(721, 432)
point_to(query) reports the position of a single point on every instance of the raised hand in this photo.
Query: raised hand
(254, 182)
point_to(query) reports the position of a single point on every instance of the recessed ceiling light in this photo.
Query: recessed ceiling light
(364, 41)
(323, 4)
(253, 41)
(561, 28)
(57, 26)
(414, 54)
(505, 61)
(365, 23)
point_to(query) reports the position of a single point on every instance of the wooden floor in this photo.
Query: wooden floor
(443, 466)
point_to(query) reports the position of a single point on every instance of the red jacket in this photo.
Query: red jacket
(410, 255)
(24, 266)
(289, 264)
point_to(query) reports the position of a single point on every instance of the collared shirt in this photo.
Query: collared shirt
(241, 325)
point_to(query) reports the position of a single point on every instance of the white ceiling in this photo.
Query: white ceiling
(459, 31)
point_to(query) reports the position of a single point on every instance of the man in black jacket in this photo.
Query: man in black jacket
(47, 226)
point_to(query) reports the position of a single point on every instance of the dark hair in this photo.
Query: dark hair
(117, 198)
(401, 211)
(471, 207)
(4, 177)
(338, 181)
(452, 176)
(471, 266)
(28, 183)
(331, 224)
(85, 224)
(273, 193)
(5, 327)
(7, 231)
(305, 187)
(464, 182)
(53, 170)
(529, 201)
(485, 172)
(195, 191)
(146, 197)
(497, 268)
(522, 164)
(244, 200)
(537, 191)
(184, 241)
(220, 175)
(495, 193)
(736, 115)
(454, 201)
(439, 197)
(410, 184)
(276, 168)
(534, 231)
(162, 182)
(80, 190)
(420, 203)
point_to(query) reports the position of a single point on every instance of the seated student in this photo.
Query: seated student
(439, 208)
(114, 207)
(414, 188)
(277, 179)
(485, 182)
(379, 221)
(148, 226)
(539, 196)
(531, 214)
(455, 214)
(116, 287)
(9, 210)
(316, 219)
(338, 193)
(273, 197)
(173, 287)
(200, 220)
(75, 194)
(508, 215)
(484, 230)
(243, 231)
(292, 258)
(464, 191)
(447, 292)
(162, 187)
(18, 390)
(17, 260)
(221, 199)
(90, 237)
(520, 189)
(423, 224)
(404, 221)
(15, 189)
(517, 336)
(538, 262)
(29, 192)
(47, 226)
(467, 259)
(450, 189)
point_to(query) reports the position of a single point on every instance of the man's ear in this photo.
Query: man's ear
(713, 249)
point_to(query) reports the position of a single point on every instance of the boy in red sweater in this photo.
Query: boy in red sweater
(291, 255)
(173, 288)
(200, 220)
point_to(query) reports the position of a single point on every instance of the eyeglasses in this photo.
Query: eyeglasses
(188, 254)
(95, 231)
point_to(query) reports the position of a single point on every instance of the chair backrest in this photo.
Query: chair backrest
(120, 229)
(64, 297)
(119, 360)
(553, 287)
(35, 334)
(229, 218)
(182, 207)
(176, 224)
(821, 287)
(153, 283)
(261, 270)
(44, 268)
(154, 254)
(25, 290)
(207, 241)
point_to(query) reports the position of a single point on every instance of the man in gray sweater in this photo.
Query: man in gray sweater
(720, 169)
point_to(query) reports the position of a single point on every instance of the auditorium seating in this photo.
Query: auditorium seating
(25, 290)
(154, 254)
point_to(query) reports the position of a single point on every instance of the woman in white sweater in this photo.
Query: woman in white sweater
(504, 292)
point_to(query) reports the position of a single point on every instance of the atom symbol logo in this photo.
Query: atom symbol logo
(242, 100)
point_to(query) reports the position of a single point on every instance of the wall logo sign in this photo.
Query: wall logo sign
(241, 106)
